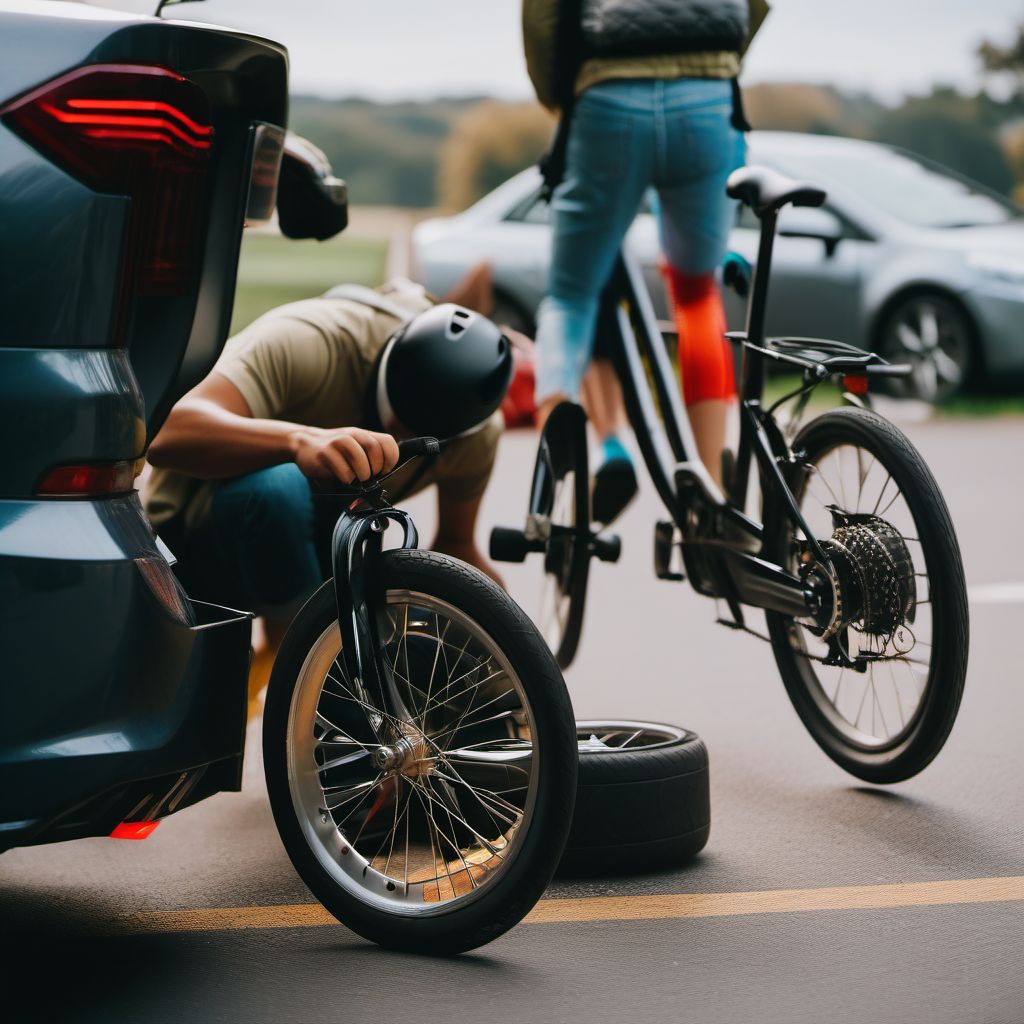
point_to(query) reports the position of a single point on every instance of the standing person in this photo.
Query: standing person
(649, 97)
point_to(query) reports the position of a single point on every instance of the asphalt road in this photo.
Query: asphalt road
(81, 937)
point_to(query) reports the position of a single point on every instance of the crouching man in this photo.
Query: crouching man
(317, 389)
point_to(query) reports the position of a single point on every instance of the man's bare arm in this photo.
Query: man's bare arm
(211, 434)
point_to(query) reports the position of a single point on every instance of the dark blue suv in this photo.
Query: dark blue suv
(132, 151)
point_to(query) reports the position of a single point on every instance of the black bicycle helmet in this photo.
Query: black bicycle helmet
(446, 371)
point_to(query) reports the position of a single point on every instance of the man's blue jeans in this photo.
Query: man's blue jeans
(255, 549)
(626, 137)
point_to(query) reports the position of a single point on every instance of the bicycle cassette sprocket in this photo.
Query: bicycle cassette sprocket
(876, 586)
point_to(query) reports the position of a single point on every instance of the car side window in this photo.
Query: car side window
(531, 210)
(747, 219)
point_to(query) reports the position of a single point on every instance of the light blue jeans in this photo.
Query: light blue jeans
(627, 136)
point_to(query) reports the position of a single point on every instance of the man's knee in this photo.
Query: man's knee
(274, 500)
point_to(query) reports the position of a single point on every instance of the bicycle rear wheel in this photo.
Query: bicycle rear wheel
(439, 832)
(559, 513)
(878, 675)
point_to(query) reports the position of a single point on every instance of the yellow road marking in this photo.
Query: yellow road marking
(621, 908)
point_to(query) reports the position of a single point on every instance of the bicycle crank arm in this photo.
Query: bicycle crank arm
(606, 549)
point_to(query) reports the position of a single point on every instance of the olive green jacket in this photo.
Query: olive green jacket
(540, 25)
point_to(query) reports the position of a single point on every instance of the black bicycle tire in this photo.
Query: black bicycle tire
(566, 438)
(641, 809)
(514, 894)
(950, 624)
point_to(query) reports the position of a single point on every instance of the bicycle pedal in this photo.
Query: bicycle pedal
(606, 549)
(509, 545)
(665, 546)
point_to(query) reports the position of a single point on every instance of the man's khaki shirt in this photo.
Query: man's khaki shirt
(311, 362)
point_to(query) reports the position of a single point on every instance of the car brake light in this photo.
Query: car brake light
(137, 131)
(134, 830)
(90, 480)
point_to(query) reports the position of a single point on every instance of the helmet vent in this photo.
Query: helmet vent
(460, 320)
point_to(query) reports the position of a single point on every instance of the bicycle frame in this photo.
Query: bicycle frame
(704, 516)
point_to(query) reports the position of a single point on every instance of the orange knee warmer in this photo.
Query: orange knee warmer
(705, 360)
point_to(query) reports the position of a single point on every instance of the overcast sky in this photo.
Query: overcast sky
(389, 49)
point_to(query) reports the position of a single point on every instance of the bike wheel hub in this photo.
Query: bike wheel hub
(409, 756)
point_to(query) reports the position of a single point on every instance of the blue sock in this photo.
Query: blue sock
(612, 448)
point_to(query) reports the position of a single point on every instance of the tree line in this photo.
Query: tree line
(449, 152)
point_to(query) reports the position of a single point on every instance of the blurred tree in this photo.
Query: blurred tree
(946, 127)
(799, 107)
(489, 143)
(1005, 60)
(1013, 147)
(386, 152)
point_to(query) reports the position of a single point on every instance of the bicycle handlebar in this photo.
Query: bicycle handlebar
(418, 446)
(413, 448)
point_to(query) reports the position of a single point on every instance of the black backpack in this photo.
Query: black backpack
(589, 28)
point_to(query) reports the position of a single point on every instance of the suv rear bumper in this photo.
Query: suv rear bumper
(112, 705)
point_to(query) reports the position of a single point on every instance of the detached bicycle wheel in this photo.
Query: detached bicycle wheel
(643, 801)
(438, 833)
(559, 513)
(876, 676)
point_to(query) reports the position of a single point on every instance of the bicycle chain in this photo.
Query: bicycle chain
(884, 575)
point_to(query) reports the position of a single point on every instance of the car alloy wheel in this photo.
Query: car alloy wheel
(935, 338)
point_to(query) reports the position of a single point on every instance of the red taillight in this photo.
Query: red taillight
(137, 131)
(134, 830)
(92, 480)
(856, 383)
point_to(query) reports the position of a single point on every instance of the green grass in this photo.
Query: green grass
(982, 405)
(969, 406)
(274, 270)
(824, 396)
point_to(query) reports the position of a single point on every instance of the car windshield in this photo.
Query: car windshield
(907, 189)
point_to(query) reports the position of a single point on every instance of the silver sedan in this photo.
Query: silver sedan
(907, 258)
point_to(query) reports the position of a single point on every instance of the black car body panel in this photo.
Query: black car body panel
(120, 699)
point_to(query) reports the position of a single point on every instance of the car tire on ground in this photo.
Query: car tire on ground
(642, 801)
(936, 337)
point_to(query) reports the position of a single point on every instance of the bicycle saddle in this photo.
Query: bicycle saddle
(763, 189)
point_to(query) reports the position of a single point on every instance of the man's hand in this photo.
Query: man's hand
(347, 453)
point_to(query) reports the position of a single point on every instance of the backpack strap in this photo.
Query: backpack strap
(569, 57)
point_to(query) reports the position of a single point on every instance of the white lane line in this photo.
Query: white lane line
(996, 593)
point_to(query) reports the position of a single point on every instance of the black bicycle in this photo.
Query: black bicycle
(852, 553)
(419, 743)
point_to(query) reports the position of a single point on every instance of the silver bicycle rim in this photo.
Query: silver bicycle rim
(435, 841)
(597, 735)
(878, 707)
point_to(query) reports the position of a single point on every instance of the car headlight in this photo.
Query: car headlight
(1001, 266)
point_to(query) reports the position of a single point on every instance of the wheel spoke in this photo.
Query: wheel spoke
(413, 822)
(870, 706)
